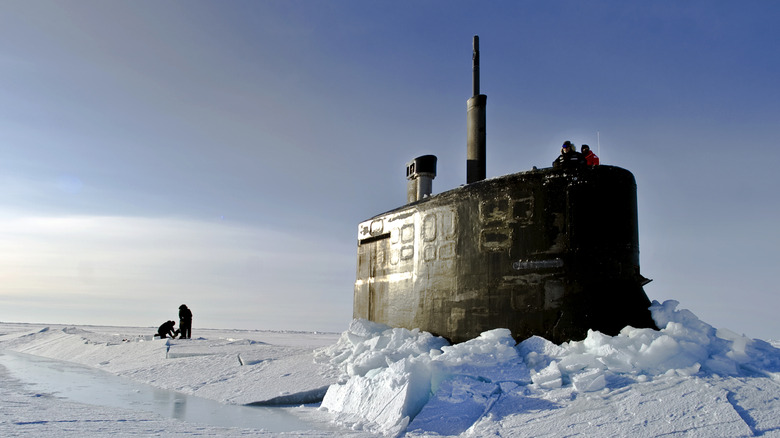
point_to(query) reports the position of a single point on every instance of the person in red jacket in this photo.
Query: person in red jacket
(590, 158)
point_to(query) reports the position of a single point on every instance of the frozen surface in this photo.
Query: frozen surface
(688, 379)
(84, 384)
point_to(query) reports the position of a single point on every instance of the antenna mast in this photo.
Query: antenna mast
(598, 142)
(475, 126)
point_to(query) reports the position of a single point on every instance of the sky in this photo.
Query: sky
(222, 154)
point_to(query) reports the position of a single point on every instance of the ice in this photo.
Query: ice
(687, 378)
(466, 379)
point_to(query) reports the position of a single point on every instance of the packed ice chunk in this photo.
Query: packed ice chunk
(538, 352)
(491, 356)
(399, 370)
(589, 381)
(367, 346)
(457, 404)
(549, 377)
(388, 399)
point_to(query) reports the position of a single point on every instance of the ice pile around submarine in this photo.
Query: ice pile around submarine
(395, 380)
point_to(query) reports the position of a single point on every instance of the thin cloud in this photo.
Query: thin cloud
(128, 262)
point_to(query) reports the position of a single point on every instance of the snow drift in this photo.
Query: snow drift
(394, 380)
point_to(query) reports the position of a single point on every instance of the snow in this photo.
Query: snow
(687, 379)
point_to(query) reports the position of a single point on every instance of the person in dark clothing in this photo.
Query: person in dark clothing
(185, 322)
(591, 159)
(166, 330)
(569, 156)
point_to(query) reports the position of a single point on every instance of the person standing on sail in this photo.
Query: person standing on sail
(591, 159)
(569, 156)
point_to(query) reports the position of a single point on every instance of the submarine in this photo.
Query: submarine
(552, 252)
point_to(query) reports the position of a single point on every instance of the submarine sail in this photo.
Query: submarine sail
(551, 252)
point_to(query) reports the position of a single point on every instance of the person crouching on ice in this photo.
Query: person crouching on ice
(166, 330)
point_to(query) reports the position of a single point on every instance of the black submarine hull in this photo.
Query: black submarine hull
(551, 252)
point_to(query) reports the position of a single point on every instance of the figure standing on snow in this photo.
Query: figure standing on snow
(591, 159)
(185, 322)
(569, 156)
(166, 330)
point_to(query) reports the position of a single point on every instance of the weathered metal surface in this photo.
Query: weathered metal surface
(476, 141)
(549, 252)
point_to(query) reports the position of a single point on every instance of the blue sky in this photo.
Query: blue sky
(221, 154)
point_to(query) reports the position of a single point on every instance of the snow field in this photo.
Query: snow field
(686, 380)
